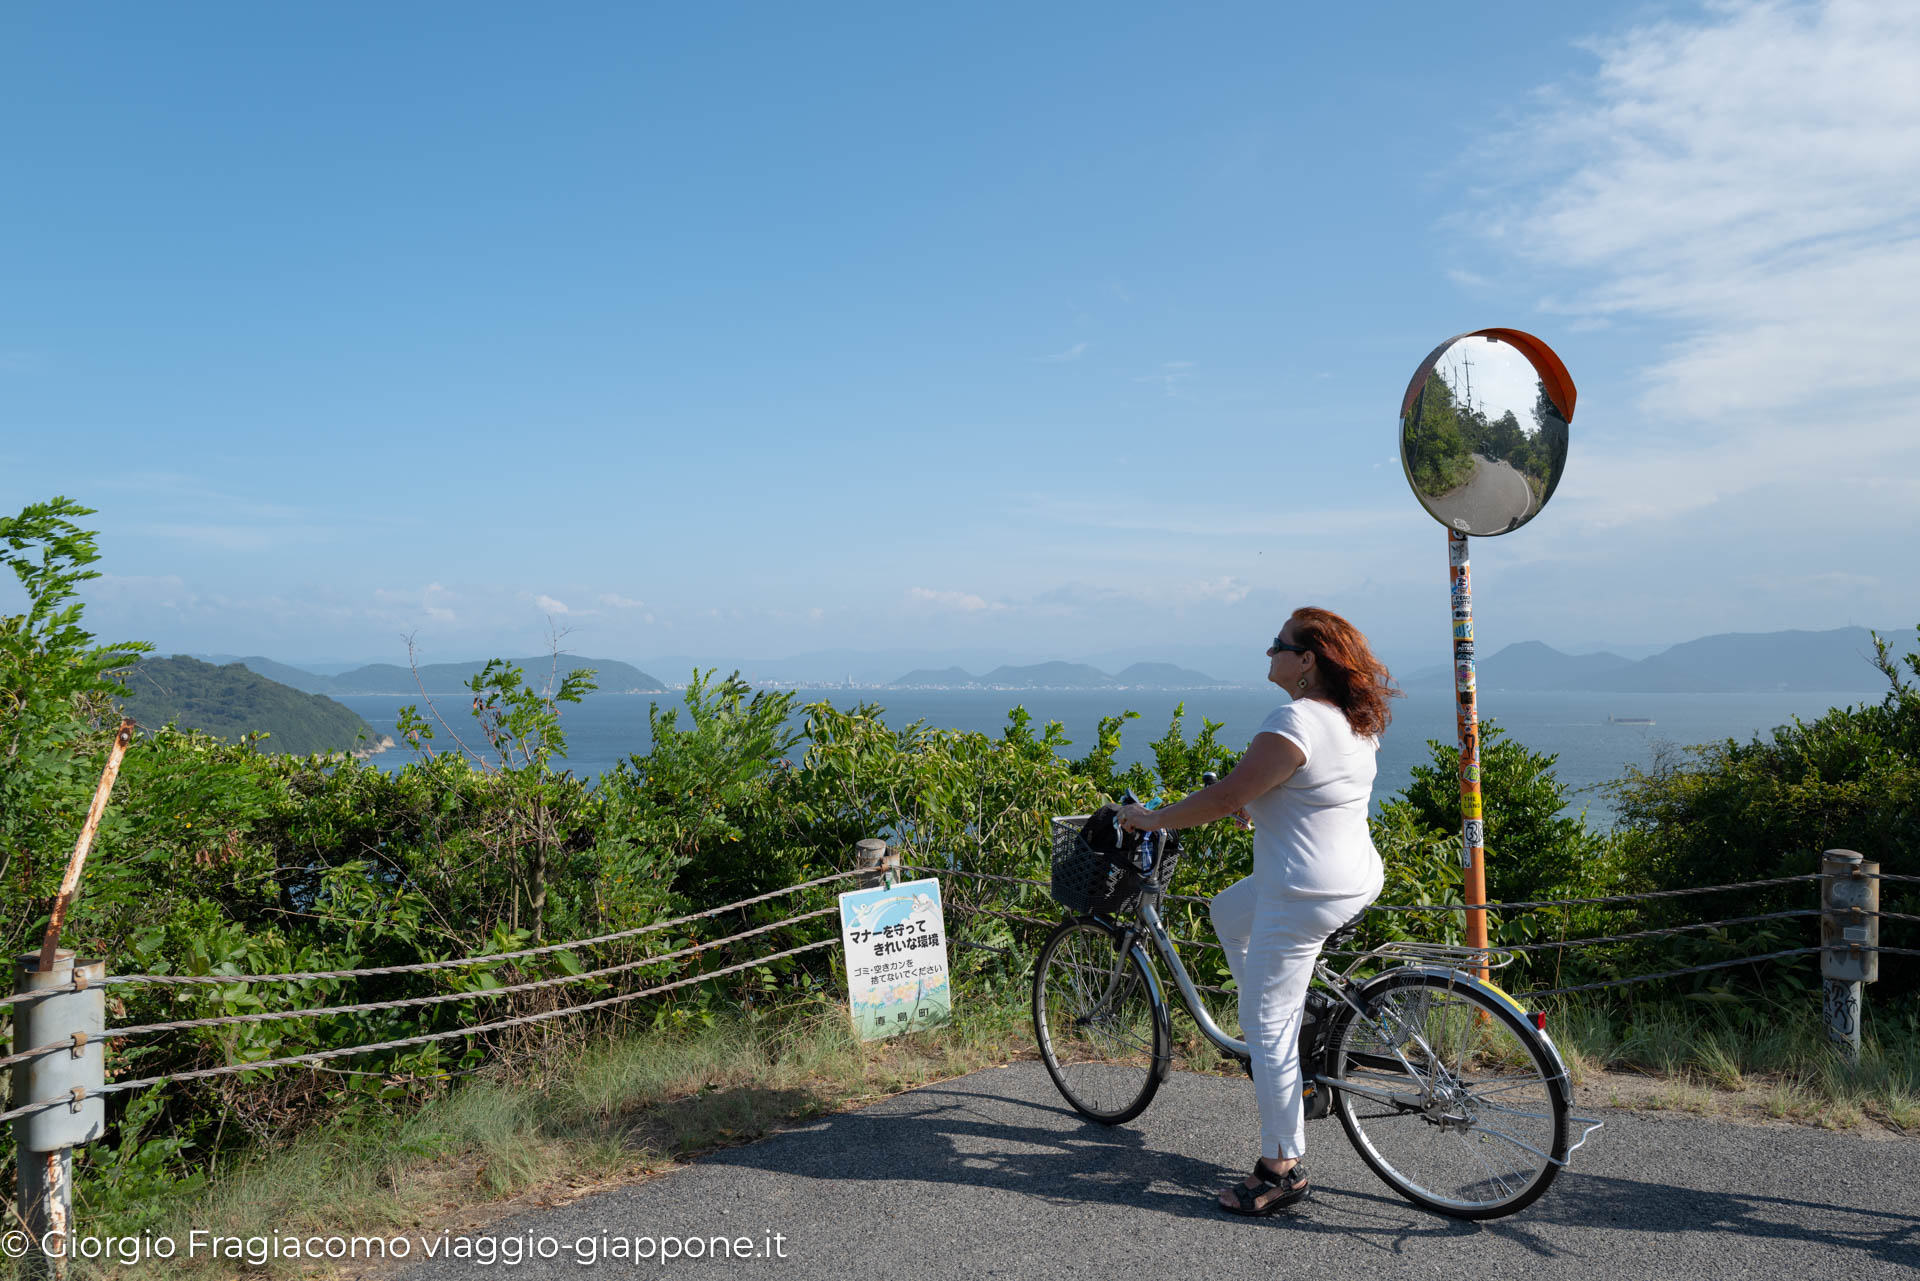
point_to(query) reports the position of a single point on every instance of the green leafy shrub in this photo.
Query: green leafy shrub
(1767, 808)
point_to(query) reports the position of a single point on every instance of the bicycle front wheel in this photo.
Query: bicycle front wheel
(1101, 1022)
(1450, 1096)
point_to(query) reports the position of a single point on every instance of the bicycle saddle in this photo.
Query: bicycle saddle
(1344, 935)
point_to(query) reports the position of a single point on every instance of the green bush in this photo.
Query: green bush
(1534, 850)
(1767, 808)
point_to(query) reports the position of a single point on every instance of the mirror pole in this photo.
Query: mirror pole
(1467, 711)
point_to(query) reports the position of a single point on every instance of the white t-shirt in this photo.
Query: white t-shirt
(1310, 835)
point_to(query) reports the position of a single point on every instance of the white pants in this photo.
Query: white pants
(1271, 943)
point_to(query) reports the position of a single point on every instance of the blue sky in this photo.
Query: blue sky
(738, 332)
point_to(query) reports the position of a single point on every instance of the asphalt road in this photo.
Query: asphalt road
(1493, 497)
(992, 1176)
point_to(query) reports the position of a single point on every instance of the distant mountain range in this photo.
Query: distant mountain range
(1061, 676)
(234, 700)
(1730, 663)
(389, 680)
(1733, 662)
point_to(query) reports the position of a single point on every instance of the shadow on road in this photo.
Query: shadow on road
(1658, 1208)
(939, 1135)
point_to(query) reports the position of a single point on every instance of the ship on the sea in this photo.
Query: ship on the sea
(1629, 720)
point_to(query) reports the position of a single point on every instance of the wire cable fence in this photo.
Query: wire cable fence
(966, 903)
(1019, 884)
(457, 963)
(477, 994)
(318, 1057)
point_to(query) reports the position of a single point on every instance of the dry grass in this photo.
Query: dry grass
(576, 1123)
(1730, 1061)
(1724, 1061)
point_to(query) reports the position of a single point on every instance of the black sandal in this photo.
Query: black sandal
(1293, 1185)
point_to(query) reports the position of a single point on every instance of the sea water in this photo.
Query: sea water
(1573, 727)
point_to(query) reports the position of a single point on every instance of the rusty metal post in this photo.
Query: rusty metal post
(1849, 933)
(45, 1181)
(70, 883)
(68, 1024)
(1473, 829)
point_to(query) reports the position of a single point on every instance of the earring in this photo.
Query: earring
(1303, 685)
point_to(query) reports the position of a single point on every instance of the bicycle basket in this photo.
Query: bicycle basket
(1088, 881)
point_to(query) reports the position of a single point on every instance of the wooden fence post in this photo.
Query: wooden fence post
(875, 862)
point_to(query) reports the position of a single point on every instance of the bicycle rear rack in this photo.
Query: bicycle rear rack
(1452, 955)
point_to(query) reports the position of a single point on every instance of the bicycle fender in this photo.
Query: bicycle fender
(1163, 1066)
(1562, 1081)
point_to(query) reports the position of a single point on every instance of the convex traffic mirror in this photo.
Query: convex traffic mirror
(1483, 430)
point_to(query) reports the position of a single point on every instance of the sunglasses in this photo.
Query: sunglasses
(1279, 645)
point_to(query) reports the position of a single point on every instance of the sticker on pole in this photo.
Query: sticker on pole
(896, 948)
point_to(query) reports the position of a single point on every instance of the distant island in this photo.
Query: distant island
(1730, 663)
(393, 681)
(1060, 675)
(233, 700)
(1734, 662)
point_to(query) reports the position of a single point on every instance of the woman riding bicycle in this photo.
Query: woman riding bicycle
(1305, 783)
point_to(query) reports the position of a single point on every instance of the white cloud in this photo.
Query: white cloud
(141, 591)
(1228, 590)
(548, 605)
(194, 494)
(613, 600)
(245, 535)
(183, 508)
(1074, 352)
(404, 605)
(1747, 179)
(1215, 520)
(434, 601)
(1829, 582)
(957, 602)
(1171, 374)
(1751, 177)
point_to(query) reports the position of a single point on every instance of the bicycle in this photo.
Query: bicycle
(1450, 1091)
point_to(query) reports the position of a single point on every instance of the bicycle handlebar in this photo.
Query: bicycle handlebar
(1127, 798)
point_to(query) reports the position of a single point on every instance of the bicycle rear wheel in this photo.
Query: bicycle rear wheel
(1101, 1022)
(1450, 1096)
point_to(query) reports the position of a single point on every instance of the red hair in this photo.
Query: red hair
(1357, 682)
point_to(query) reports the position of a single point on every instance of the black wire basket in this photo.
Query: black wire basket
(1090, 882)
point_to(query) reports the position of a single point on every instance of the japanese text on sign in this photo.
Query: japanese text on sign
(896, 950)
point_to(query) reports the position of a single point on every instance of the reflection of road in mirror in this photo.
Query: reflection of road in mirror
(1482, 440)
(1494, 499)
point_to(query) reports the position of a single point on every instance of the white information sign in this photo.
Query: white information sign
(896, 941)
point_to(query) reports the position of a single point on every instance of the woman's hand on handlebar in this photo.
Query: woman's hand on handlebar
(1135, 818)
